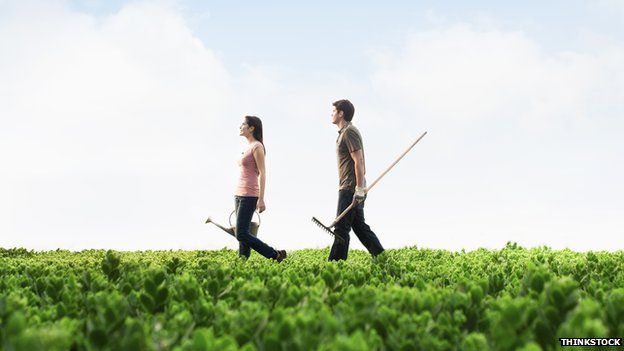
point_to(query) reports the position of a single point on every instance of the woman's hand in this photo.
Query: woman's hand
(261, 206)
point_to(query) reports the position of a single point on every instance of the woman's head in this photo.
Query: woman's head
(253, 126)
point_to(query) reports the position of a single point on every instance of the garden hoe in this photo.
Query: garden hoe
(333, 224)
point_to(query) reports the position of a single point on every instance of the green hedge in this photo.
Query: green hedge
(406, 299)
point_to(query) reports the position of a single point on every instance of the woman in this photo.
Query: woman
(250, 191)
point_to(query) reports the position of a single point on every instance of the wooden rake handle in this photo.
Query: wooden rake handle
(344, 213)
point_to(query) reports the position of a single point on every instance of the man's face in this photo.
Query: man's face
(337, 116)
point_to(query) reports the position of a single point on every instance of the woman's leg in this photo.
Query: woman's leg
(246, 209)
(243, 249)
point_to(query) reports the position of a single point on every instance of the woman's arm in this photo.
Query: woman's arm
(258, 154)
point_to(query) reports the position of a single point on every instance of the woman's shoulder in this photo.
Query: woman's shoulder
(256, 144)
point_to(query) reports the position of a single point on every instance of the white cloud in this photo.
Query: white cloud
(523, 144)
(105, 116)
(134, 79)
(610, 5)
(462, 75)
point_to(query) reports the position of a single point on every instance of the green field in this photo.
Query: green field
(406, 299)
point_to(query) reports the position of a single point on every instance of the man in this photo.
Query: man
(351, 172)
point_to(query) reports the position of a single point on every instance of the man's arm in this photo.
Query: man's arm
(360, 168)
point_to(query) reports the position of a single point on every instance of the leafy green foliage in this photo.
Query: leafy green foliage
(110, 265)
(407, 299)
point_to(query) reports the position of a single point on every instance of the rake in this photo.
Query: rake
(344, 213)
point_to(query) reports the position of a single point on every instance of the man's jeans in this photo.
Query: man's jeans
(354, 219)
(245, 207)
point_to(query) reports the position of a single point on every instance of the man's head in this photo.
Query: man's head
(343, 109)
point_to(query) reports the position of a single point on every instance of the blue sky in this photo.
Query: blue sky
(338, 36)
(120, 120)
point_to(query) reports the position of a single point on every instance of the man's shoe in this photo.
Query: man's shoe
(281, 255)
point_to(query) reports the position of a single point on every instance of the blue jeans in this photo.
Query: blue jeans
(245, 207)
(353, 219)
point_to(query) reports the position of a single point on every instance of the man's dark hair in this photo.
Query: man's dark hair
(346, 107)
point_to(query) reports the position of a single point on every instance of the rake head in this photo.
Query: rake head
(209, 220)
(326, 228)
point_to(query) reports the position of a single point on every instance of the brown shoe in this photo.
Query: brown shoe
(281, 255)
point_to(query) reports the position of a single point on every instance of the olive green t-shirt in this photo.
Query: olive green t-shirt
(349, 140)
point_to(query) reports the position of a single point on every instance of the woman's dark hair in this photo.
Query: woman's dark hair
(346, 107)
(253, 121)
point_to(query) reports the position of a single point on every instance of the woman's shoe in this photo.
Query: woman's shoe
(281, 255)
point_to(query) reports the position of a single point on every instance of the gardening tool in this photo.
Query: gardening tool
(253, 227)
(333, 224)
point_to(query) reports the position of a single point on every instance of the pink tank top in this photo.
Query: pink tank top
(248, 180)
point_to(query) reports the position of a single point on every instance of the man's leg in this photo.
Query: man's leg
(364, 233)
(340, 249)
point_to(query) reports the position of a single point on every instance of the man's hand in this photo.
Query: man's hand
(360, 194)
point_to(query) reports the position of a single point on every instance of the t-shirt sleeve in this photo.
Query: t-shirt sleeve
(353, 140)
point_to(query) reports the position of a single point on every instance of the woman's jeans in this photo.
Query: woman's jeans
(245, 207)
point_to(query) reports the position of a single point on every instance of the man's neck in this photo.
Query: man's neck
(343, 123)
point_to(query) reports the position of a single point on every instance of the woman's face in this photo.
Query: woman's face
(245, 129)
